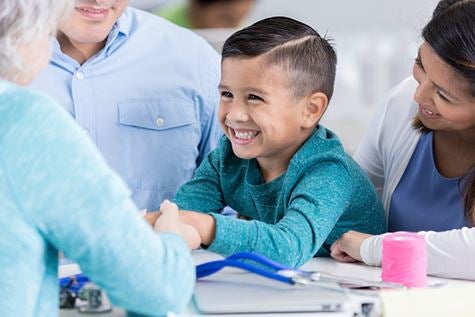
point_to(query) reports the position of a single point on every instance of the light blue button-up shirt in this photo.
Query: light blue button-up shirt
(148, 100)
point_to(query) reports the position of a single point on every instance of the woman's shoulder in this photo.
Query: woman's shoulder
(18, 104)
(400, 100)
(29, 114)
(21, 100)
(392, 122)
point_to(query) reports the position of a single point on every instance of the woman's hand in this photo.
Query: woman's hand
(168, 220)
(347, 247)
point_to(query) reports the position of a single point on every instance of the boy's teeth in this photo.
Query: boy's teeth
(245, 135)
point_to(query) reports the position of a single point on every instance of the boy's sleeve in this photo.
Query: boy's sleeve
(317, 202)
(203, 192)
(64, 189)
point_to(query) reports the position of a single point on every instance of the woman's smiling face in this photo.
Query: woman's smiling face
(444, 98)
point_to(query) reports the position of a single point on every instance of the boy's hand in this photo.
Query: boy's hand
(169, 221)
(191, 236)
(204, 223)
(347, 247)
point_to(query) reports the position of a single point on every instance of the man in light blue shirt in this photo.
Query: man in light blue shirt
(143, 89)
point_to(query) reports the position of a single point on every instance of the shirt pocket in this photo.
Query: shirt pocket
(156, 114)
(159, 143)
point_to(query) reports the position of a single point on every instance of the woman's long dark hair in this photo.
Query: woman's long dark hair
(451, 34)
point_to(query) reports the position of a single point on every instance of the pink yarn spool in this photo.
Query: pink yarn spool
(405, 259)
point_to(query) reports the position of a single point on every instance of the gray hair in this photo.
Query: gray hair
(22, 22)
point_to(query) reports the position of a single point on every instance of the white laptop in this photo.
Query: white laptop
(243, 292)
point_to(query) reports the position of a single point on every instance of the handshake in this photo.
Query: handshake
(186, 224)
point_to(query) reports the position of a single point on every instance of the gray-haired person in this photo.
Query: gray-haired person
(57, 193)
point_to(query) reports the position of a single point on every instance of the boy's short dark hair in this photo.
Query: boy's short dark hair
(310, 59)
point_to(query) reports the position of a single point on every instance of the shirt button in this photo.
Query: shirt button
(80, 75)
(160, 121)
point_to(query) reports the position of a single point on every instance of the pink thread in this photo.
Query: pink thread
(405, 259)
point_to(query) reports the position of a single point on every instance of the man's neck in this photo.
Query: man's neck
(81, 52)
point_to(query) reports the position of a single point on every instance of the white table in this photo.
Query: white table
(328, 265)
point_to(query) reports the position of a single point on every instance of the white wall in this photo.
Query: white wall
(351, 15)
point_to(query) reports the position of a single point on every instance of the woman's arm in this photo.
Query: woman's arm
(451, 254)
(81, 207)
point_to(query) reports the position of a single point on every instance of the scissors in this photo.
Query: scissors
(274, 270)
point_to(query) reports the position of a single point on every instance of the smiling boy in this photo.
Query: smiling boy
(286, 175)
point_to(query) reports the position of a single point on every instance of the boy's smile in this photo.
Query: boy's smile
(260, 114)
(239, 135)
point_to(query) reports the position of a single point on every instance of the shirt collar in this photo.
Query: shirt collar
(119, 33)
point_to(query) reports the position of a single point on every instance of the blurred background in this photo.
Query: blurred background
(376, 43)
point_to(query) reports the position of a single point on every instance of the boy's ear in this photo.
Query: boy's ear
(315, 106)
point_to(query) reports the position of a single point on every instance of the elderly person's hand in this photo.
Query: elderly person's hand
(152, 217)
(168, 220)
(347, 247)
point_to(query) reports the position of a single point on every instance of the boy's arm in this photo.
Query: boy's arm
(203, 223)
(203, 192)
(317, 202)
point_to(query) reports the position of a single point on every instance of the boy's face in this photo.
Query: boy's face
(259, 112)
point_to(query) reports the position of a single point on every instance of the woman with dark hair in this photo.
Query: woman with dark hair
(420, 150)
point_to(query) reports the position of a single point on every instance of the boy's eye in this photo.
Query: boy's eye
(254, 97)
(226, 94)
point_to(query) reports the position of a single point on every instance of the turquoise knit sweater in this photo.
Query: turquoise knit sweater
(57, 193)
(323, 194)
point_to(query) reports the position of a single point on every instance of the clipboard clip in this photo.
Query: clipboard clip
(274, 270)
